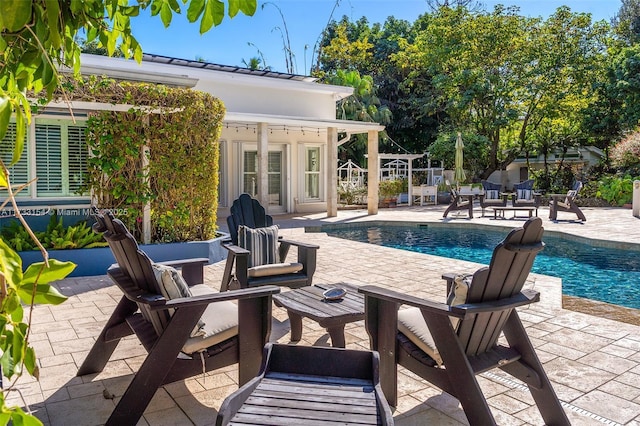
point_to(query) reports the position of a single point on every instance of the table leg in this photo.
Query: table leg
(337, 336)
(295, 321)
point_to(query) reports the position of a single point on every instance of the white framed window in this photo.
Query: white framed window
(55, 152)
(313, 182)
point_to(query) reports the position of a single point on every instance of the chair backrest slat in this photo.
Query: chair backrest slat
(249, 212)
(133, 262)
(509, 268)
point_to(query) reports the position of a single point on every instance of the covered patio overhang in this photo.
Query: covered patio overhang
(333, 128)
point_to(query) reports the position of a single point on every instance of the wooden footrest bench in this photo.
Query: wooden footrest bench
(303, 385)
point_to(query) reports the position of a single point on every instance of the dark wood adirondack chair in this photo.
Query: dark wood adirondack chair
(229, 333)
(492, 196)
(459, 202)
(525, 196)
(449, 344)
(247, 211)
(310, 385)
(566, 203)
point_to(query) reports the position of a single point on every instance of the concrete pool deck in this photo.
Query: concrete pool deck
(593, 362)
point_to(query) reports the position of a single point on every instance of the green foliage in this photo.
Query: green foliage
(616, 190)
(182, 170)
(56, 236)
(391, 187)
(476, 152)
(625, 155)
(350, 196)
(19, 290)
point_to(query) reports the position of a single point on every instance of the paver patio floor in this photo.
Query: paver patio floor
(593, 362)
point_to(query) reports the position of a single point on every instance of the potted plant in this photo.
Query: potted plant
(388, 191)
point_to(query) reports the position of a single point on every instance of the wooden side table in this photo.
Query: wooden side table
(333, 315)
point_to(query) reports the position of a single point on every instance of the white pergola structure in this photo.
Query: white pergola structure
(375, 162)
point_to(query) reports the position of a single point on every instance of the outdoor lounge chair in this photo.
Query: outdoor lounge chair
(566, 203)
(310, 385)
(459, 202)
(525, 196)
(186, 328)
(252, 251)
(449, 344)
(492, 196)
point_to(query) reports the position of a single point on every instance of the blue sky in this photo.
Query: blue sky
(244, 37)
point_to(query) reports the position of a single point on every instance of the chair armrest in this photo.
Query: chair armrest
(206, 299)
(185, 262)
(405, 299)
(525, 297)
(236, 250)
(299, 244)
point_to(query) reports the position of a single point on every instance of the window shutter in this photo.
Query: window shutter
(19, 172)
(49, 159)
(77, 152)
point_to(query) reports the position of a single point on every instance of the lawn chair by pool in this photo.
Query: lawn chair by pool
(566, 203)
(185, 327)
(258, 255)
(492, 196)
(525, 196)
(459, 202)
(449, 344)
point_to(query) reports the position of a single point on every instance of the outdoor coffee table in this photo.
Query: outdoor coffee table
(333, 315)
(499, 211)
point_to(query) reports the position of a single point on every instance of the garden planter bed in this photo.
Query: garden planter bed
(96, 261)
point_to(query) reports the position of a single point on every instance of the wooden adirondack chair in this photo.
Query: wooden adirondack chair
(310, 385)
(459, 202)
(226, 333)
(525, 196)
(566, 203)
(248, 213)
(492, 196)
(449, 344)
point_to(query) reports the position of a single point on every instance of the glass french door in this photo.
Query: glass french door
(275, 177)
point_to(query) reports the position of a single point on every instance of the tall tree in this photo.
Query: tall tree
(500, 74)
(627, 21)
(364, 105)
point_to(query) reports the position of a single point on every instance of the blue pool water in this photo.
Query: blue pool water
(597, 273)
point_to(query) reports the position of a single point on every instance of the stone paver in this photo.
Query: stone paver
(593, 362)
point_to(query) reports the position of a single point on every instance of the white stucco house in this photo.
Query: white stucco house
(279, 140)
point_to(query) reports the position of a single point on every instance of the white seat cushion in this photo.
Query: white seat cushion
(411, 323)
(524, 194)
(492, 194)
(220, 323)
(274, 269)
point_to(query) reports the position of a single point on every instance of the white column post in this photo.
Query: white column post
(373, 172)
(332, 172)
(263, 164)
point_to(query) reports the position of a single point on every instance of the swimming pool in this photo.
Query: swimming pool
(599, 273)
